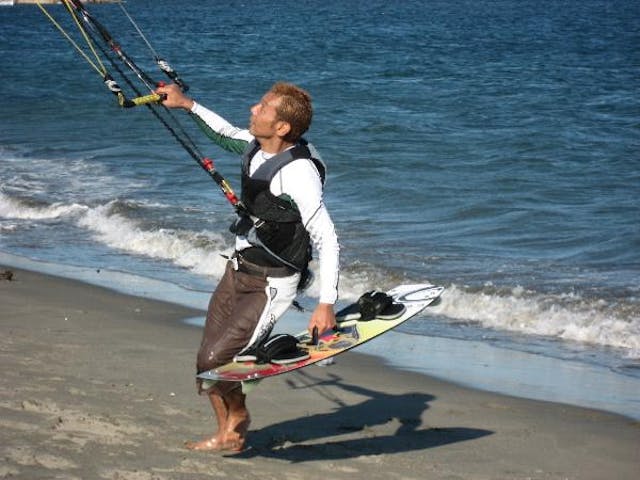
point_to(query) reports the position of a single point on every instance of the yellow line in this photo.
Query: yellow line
(86, 37)
(102, 71)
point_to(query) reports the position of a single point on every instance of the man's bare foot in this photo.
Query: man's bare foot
(208, 444)
(236, 433)
(235, 444)
(233, 439)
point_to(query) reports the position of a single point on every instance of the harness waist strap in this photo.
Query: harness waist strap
(250, 268)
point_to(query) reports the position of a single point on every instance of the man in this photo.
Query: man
(282, 181)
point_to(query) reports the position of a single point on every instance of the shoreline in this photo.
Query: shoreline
(100, 385)
(469, 363)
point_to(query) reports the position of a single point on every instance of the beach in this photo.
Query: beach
(97, 384)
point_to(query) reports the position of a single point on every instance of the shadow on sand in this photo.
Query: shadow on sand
(349, 431)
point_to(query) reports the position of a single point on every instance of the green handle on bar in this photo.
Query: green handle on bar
(134, 102)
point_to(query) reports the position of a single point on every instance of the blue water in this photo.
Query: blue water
(488, 146)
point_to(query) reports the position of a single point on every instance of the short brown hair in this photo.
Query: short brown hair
(294, 108)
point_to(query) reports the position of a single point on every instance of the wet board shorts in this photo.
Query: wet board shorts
(242, 311)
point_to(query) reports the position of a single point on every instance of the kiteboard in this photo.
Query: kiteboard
(353, 329)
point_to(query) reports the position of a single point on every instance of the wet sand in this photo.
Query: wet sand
(99, 385)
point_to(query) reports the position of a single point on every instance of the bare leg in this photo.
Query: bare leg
(238, 421)
(216, 442)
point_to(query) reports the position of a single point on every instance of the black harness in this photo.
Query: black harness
(272, 224)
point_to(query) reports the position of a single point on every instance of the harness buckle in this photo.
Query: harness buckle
(233, 259)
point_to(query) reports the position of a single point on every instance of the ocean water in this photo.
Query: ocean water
(487, 146)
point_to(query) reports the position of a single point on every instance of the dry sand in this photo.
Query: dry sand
(99, 385)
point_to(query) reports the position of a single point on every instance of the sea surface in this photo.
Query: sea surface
(489, 146)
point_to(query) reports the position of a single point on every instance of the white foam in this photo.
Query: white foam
(8, 227)
(196, 251)
(199, 252)
(64, 177)
(11, 208)
(568, 316)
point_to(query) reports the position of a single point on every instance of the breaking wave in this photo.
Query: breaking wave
(567, 316)
(197, 251)
(564, 316)
(11, 208)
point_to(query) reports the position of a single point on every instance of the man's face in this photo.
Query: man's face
(264, 119)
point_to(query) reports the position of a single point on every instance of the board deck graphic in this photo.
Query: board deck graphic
(414, 297)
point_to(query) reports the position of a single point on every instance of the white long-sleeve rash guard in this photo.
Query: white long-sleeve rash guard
(301, 182)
